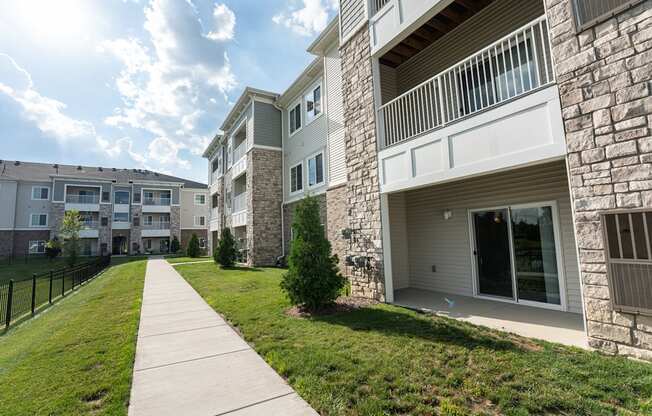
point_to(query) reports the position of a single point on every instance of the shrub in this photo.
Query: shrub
(225, 252)
(53, 248)
(174, 245)
(313, 279)
(193, 246)
(70, 228)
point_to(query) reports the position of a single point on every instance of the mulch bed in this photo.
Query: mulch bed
(342, 304)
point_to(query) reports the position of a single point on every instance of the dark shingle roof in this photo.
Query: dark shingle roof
(41, 172)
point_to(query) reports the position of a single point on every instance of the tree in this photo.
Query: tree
(225, 252)
(193, 246)
(53, 248)
(313, 279)
(70, 228)
(174, 245)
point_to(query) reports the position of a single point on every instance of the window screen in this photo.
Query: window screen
(592, 12)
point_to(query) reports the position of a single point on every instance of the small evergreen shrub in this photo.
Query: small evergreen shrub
(193, 247)
(174, 245)
(313, 279)
(225, 252)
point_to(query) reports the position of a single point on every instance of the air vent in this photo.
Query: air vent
(79, 168)
(17, 163)
(100, 169)
(56, 166)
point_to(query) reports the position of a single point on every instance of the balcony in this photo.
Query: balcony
(156, 204)
(497, 108)
(239, 160)
(83, 202)
(156, 229)
(90, 229)
(239, 211)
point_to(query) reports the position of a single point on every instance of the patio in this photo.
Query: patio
(549, 325)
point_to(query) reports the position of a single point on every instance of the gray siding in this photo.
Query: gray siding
(60, 185)
(352, 13)
(189, 210)
(335, 114)
(267, 125)
(26, 206)
(7, 204)
(492, 23)
(446, 244)
(399, 237)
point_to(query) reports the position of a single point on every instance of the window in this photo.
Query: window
(120, 217)
(200, 221)
(296, 178)
(148, 195)
(313, 104)
(215, 200)
(202, 243)
(38, 220)
(105, 221)
(200, 199)
(215, 165)
(148, 220)
(36, 246)
(136, 221)
(106, 196)
(629, 248)
(591, 12)
(121, 198)
(137, 198)
(295, 118)
(316, 170)
(148, 244)
(40, 193)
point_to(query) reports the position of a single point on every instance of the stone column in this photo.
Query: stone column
(135, 234)
(105, 233)
(604, 75)
(337, 220)
(363, 191)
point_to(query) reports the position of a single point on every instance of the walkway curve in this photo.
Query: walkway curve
(189, 361)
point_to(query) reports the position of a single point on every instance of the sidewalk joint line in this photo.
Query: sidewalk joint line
(183, 330)
(192, 359)
(175, 313)
(255, 404)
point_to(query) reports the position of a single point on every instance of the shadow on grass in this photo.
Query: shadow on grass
(432, 329)
(241, 269)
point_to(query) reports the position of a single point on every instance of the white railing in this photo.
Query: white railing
(376, 5)
(215, 176)
(83, 199)
(157, 225)
(510, 67)
(240, 151)
(239, 202)
(90, 224)
(157, 201)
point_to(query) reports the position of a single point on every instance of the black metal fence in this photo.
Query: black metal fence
(22, 297)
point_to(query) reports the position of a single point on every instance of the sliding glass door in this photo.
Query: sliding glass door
(516, 254)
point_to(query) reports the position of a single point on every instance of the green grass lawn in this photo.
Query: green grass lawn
(389, 360)
(77, 357)
(175, 260)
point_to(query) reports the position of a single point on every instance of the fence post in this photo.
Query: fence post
(33, 292)
(10, 299)
(50, 290)
(63, 282)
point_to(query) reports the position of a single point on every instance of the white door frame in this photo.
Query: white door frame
(563, 306)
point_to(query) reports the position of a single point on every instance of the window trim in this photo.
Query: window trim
(122, 192)
(313, 87)
(581, 27)
(121, 222)
(195, 199)
(323, 167)
(31, 222)
(29, 246)
(40, 187)
(299, 190)
(295, 103)
(197, 223)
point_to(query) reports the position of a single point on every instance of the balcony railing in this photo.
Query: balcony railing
(376, 5)
(157, 201)
(90, 224)
(240, 151)
(83, 199)
(157, 225)
(240, 202)
(511, 67)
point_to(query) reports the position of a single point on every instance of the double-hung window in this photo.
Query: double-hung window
(120, 217)
(316, 170)
(295, 118)
(36, 246)
(296, 178)
(38, 220)
(40, 193)
(121, 198)
(200, 221)
(313, 104)
(200, 199)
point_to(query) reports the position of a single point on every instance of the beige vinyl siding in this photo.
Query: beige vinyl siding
(352, 14)
(399, 237)
(492, 23)
(446, 244)
(335, 114)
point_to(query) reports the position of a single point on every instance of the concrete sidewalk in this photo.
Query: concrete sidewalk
(190, 362)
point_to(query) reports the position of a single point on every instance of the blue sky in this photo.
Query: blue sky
(146, 84)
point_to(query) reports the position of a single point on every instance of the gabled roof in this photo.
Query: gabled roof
(44, 172)
(212, 146)
(326, 38)
(313, 70)
(241, 105)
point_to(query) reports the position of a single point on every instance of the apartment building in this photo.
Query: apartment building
(498, 153)
(124, 211)
(245, 183)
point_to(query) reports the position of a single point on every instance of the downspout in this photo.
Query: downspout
(282, 178)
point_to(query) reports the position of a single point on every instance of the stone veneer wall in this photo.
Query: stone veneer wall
(337, 220)
(288, 218)
(604, 75)
(265, 194)
(105, 235)
(186, 235)
(175, 222)
(6, 243)
(363, 191)
(136, 232)
(55, 219)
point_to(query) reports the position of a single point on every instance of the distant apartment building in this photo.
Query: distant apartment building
(498, 151)
(123, 211)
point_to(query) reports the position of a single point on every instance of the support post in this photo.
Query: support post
(33, 293)
(50, 289)
(10, 299)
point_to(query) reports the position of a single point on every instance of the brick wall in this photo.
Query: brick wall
(363, 192)
(6, 243)
(22, 239)
(604, 76)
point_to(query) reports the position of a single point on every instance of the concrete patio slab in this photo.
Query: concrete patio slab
(189, 361)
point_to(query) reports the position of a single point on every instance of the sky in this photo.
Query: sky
(141, 83)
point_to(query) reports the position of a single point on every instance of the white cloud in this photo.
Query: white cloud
(165, 151)
(224, 21)
(308, 19)
(164, 88)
